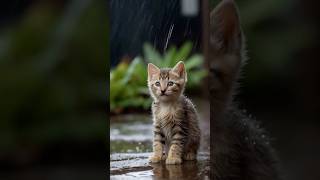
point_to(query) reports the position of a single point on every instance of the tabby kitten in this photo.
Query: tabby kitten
(176, 130)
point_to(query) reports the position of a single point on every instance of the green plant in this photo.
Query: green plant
(128, 81)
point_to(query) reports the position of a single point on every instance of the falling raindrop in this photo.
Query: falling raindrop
(169, 36)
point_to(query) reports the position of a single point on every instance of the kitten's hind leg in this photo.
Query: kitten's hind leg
(190, 153)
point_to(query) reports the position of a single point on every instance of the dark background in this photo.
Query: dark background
(280, 83)
(53, 91)
(135, 22)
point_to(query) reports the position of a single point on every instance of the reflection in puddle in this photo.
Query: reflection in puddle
(188, 170)
(171, 171)
(141, 174)
(134, 175)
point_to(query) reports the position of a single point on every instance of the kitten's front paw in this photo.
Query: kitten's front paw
(154, 159)
(173, 160)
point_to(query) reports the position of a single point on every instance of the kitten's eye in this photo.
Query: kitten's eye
(157, 83)
(170, 83)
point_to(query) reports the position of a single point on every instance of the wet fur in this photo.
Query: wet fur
(241, 148)
(176, 131)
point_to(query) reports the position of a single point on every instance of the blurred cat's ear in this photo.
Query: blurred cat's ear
(179, 68)
(226, 34)
(152, 70)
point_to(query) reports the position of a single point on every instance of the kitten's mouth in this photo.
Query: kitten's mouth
(163, 95)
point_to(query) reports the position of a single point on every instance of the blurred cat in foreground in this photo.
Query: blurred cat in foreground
(241, 149)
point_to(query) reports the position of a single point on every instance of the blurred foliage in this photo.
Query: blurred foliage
(128, 82)
(52, 63)
(274, 32)
(128, 86)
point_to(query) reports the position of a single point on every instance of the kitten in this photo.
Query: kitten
(241, 150)
(176, 130)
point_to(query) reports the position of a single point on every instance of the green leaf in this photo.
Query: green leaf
(119, 72)
(194, 61)
(195, 78)
(151, 55)
(143, 90)
(130, 70)
(140, 74)
(183, 53)
(169, 57)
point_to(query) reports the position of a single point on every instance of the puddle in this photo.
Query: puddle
(134, 175)
(136, 166)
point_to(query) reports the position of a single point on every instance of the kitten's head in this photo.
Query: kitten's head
(166, 84)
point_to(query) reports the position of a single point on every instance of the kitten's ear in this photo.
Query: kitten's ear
(226, 34)
(180, 69)
(152, 70)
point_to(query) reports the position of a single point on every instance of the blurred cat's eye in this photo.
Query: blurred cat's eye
(157, 83)
(170, 83)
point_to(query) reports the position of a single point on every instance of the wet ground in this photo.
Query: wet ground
(131, 145)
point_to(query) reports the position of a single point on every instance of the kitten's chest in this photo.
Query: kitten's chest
(165, 111)
(167, 117)
(166, 114)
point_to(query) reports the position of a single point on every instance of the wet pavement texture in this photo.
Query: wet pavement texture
(131, 145)
(136, 166)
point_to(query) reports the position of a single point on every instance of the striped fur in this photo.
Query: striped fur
(176, 131)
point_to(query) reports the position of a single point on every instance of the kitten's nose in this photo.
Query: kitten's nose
(163, 91)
